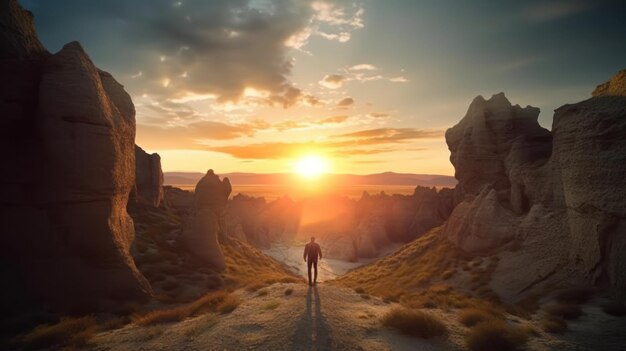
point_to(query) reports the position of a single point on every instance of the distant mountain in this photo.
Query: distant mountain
(386, 178)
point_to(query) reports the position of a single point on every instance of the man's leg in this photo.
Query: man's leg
(315, 266)
(309, 263)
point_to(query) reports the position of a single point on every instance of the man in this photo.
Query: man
(312, 252)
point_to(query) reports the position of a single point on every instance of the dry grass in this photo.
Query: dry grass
(262, 292)
(614, 308)
(415, 323)
(365, 296)
(218, 301)
(495, 335)
(68, 332)
(288, 292)
(359, 290)
(417, 274)
(470, 317)
(229, 304)
(249, 267)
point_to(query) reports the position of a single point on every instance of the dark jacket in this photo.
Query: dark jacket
(312, 251)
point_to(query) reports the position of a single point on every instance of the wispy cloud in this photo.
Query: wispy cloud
(345, 102)
(332, 81)
(362, 67)
(365, 142)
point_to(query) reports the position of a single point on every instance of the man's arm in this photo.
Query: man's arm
(319, 249)
(305, 251)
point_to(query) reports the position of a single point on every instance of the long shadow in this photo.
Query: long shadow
(312, 332)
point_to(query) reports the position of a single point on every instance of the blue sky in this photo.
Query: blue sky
(370, 85)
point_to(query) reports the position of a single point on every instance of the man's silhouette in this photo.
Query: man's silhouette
(312, 252)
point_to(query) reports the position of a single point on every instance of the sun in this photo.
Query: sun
(311, 167)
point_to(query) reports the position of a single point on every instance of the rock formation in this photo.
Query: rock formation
(68, 153)
(260, 222)
(616, 86)
(206, 221)
(559, 196)
(148, 178)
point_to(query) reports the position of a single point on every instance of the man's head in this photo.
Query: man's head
(312, 239)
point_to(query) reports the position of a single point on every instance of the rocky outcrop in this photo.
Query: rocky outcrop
(616, 86)
(148, 178)
(559, 196)
(493, 148)
(206, 221)
(18, 37)
(260, 222)
(68, 149)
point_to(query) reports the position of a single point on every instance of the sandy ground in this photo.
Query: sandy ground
(327, 269)
(319, 318)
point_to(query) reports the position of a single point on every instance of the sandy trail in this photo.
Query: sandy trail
(312, 319)
(328, 268)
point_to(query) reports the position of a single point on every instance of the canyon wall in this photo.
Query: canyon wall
(67, 133)
(551, 204)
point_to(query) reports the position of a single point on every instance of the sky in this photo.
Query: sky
(367, 85)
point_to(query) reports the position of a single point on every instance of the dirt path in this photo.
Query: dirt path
(311, 319)
(328, 268)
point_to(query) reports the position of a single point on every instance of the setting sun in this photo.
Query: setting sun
(311, 166)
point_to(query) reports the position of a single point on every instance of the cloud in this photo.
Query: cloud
(388, 135)
(312, 101)
(289, 124)
(340, 37)
(553, 10)
(194, 135)
(345, 102)
(365, 142)
(330, 13)
(362, 67)
(333, 119)
(195, 49)
(379, 115)
(332, 81)
(398, 79)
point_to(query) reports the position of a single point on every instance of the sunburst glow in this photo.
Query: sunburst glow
(311, 167)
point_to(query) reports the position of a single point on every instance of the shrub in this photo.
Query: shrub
(288, 292)
(229, 304)
(262, 292)
(614, 308)
(272, 305)
(495, 335)
(470, 317)
(414, 323)
(565, 311)
(553, 324)
(68, 332)
(359, 290)
(365, 296)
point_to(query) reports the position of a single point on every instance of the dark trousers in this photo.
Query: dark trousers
(313, 263)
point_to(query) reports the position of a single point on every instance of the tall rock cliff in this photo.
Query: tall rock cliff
(206, 221)
(148, 178)
(68, 159)
(559, 196)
